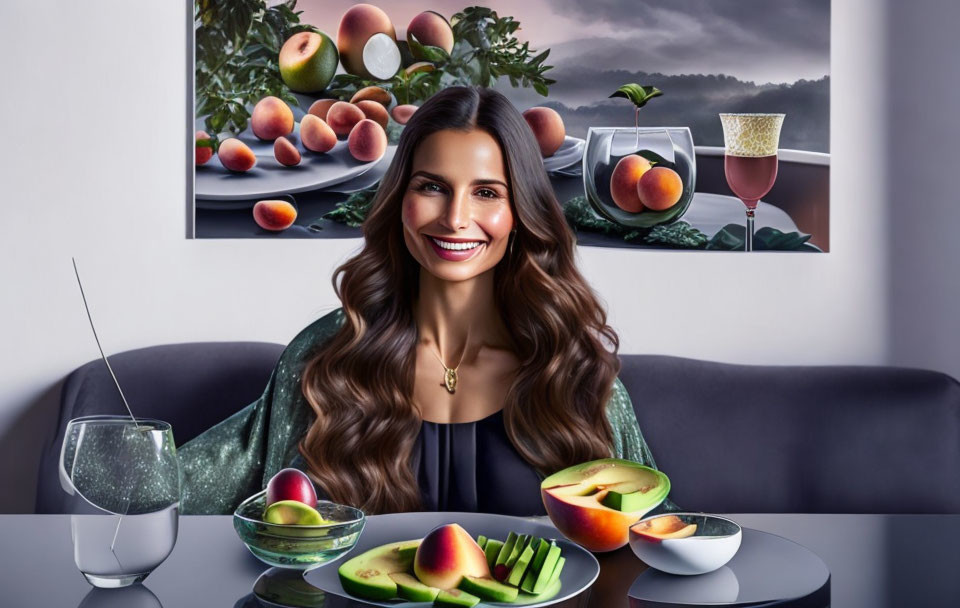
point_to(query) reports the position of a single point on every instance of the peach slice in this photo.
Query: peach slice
(661, 528)
(402, 113)
(447, 554)
(320, 107)
(577, 499)
(343, 116)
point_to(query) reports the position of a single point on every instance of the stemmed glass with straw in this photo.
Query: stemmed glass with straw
(122, 479)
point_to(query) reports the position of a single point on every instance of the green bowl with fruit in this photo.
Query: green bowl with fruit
(290, 533)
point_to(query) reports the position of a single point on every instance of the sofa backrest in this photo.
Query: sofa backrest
(832, 439)
(732, 438)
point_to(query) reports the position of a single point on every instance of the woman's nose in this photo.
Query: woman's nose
(458, 210)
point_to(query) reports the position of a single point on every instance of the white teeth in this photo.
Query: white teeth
(455, 246)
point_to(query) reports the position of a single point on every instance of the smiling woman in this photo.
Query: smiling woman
(470, 358)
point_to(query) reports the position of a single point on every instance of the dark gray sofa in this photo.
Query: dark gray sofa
(732, 438)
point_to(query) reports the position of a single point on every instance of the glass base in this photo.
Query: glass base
(114, 582)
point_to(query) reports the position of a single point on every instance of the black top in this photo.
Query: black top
(471, 466)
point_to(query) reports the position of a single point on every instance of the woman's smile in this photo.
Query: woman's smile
(455, 251)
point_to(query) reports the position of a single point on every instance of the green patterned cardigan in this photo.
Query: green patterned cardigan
(235, 458)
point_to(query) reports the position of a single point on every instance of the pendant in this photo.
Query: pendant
(450, 380)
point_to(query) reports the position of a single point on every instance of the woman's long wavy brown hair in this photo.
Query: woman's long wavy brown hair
(360, 382)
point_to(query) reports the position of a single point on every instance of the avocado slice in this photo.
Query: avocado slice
(410, 588)
(516, 573)
(455, 597)
(368, 574)
(537, 585)
(517, 550)
(482, 541)
(488, 589)
(409, 550)
(492, 550)
(506, 549)
(627, 496)
(556, 571)
(540, 555)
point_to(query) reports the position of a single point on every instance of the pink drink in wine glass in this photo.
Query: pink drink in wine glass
(750, 177)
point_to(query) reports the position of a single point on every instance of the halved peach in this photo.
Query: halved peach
(577, 500)
(660, 528)
(447, 554)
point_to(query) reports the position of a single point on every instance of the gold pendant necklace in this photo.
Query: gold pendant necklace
(450, 374)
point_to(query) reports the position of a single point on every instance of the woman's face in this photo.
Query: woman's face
(457, 192)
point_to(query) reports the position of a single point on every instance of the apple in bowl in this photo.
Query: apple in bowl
(595, 503)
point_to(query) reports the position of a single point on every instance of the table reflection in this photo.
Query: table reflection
(134, 596)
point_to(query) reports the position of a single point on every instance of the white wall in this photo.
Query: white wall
(92, 120)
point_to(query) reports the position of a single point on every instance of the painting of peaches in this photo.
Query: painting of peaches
(298, 107)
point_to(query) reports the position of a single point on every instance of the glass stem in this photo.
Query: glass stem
(636, 124)
(748, 241)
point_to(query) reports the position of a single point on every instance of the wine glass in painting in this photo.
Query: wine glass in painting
(750, 159)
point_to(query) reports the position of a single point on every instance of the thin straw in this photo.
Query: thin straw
(95, 337)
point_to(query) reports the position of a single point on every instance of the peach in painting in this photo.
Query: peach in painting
(274, 215)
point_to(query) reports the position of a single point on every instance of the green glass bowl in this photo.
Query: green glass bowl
(295, 546)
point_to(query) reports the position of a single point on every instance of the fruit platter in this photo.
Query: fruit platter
(458, 559)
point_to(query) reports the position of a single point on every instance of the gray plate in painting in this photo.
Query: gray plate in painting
(269, 178)
(579, 571)
(570, 152)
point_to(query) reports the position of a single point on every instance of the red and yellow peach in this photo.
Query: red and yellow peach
(660, 188)
(367, 141)
(624, 179)
(236, 155)
(274, 215)
(547, 127)
(316, 134)
(271, 118)
(447, 554)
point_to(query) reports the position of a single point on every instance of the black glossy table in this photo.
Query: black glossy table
(875, 561)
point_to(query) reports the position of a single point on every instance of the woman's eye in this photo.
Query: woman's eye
(488, 193)
(426, 187)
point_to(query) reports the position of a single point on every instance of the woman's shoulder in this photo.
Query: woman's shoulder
(313, 335)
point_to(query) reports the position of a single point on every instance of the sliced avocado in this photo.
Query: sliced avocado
(506, 549)
(492, 549)
(516, 573)
(546, 571)
(556, 570)
(529, 580)
(488, 589)
(368, 574)
(541, 554)
(408, 549)
(410, 588)
(517, 550)
(482, 541)
(455, 597)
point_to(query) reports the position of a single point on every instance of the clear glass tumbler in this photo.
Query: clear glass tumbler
(123, 480)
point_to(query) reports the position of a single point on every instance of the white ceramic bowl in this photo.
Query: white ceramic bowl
(715, 541)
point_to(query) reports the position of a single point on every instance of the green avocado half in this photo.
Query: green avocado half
(368, 574)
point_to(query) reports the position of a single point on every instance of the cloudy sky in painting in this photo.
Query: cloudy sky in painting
(777, 41)
(708, 56)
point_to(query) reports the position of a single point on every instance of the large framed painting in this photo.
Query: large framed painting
(668, 125)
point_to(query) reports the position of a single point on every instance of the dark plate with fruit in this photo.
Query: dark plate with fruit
(407, 560)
